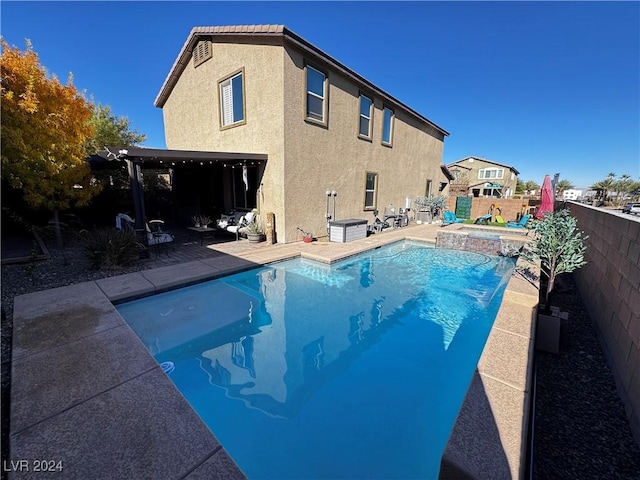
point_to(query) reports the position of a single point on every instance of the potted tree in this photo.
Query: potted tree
(559, 247)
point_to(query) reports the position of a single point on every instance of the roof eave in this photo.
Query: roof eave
(280, 31)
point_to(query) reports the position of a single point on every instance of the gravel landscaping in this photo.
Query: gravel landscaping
(580, 426)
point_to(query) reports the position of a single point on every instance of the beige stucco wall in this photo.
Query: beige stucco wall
(319, 158)
(610, 287)
(304, 160)
(192, 117)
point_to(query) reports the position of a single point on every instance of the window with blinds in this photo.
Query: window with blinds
(232, 100)
(202, 52)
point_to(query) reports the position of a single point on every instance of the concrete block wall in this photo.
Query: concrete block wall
(510, 207)
(610, 288)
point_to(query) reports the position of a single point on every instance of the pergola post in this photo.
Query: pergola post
(135, 180)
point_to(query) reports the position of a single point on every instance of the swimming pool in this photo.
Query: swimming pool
(355, 370)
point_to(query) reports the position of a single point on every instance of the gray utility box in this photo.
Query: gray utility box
(347, 230)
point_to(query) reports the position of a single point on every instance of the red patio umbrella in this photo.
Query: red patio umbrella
(546, 197)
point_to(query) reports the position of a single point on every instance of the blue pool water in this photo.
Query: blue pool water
(354, 371)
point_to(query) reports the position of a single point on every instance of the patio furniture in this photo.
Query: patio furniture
(483, 220)
(521, 224)
(449, 217)
(201, 232)
(236, 222)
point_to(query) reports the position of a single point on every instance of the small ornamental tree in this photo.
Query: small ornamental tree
(45, 127)
(558, 245)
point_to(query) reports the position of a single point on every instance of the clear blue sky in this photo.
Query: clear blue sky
(544, 86)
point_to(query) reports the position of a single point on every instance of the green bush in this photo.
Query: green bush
(109, 249)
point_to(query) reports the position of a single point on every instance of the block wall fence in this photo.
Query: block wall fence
(610, 289)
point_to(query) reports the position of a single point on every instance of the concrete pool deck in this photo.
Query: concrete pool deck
(85, 391)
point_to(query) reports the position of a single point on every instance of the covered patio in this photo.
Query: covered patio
(190, 182)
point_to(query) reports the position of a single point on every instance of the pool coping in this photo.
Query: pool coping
(87, 392)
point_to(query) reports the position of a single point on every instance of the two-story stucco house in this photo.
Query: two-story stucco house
(322, 128)
(479, 177)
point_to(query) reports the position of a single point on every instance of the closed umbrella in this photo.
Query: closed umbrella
(546, 197)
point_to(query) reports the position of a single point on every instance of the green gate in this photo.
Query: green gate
(463, 207)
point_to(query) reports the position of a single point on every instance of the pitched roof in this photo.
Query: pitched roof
(484, 160)
(220, 32)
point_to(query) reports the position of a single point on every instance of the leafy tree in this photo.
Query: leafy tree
(520, 187)
(624, 185)
(111, 130)
(563, 185)
(604, 186)
(45, 127)
(558, 245)
(530, 185)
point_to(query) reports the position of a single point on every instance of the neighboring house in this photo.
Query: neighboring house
(323, 128)
(571, 194)
(479, 177)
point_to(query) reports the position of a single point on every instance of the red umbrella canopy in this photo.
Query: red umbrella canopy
(546, 197)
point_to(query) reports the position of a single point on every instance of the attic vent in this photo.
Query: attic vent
(202, 52)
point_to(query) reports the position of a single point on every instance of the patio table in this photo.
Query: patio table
(202, 232)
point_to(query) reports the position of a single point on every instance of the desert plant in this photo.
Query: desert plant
(110, 249)
(559, 247)
(200, 220)
(255, 228)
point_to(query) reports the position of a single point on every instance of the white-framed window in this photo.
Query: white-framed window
(387, 126)
(316, 88)
(370, 190)
(427, 190)
(232, 100)
(487, 173)
(366, 114)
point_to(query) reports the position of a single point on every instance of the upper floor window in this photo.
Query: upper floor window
(232, 100)
(366, 112)
(387, 126)
(316, 87)
(491, 173)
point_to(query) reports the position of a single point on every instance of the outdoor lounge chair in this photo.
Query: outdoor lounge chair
(484, 219)
(521, 224)
(237, 227)
(448, 217)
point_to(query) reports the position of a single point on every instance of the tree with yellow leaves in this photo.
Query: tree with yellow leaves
(45, 127)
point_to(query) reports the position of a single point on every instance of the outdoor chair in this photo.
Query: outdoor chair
(153, 232)
(236, 224)
(521, 224)
(449, 217)
(484, 219)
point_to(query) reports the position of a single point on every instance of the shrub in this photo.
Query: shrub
(558, 245)
(109, 248)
